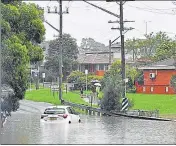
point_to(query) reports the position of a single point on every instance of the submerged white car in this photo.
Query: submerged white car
(61, 113)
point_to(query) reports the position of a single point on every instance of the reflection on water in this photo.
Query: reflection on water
(26, 128)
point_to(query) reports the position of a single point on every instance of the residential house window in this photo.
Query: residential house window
(86, 67)
(151, 89)
(101, 66)
(143, 89)
(167, 89)
(106, 67)
(97, 67)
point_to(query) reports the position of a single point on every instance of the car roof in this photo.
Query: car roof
(57, 106)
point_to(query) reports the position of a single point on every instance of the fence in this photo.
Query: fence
(151, 115)
(154, 113)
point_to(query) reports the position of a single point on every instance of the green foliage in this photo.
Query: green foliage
(112, 86)
(165, 50)
(115, 68)
(22, 30)
(70, 51)
(69, 47)
(35, 52)
(151, 47)
(24, 21)
(112, 93)
(74, 76)
(80, 78)
(9, 103)
(14, 65)
(173, 82)
(89, 44)
(131, 73)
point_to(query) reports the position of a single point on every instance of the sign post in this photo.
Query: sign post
(43, 76)
(86, 72)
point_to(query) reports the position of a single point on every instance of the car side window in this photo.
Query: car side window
(73, 111)
(69, 110)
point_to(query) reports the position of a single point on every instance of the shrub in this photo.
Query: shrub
(112, 93)
(131, 90)
(79, 78)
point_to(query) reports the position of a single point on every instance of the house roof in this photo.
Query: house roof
(96, 58)
(93, 58)
(164, 64)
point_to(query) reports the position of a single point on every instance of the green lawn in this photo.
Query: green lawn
(33, 86)
(45, 95)
(166, 104)
(42, 95)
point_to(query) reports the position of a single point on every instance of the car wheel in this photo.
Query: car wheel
(79, 121)
(69, 122)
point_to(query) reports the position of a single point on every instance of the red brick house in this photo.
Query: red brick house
(98, 62)
(157, 78)
(94, 62)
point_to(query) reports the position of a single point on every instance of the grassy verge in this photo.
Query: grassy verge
(166, 104)
(42, 95)
(45, 95)
(33, 86)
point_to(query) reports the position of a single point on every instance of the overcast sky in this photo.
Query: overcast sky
(85, 21)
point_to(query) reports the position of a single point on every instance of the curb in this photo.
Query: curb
(143, 117)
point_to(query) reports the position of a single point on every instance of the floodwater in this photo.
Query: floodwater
(24, 127)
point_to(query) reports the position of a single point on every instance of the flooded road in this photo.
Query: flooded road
(24, 127)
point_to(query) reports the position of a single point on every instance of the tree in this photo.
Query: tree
(53, 65)
(89, 44)
(22, 30)
(69, 47)
(70, 52)
(25, 21)
(131, 72)
(112, 93)
(165, 50)
(146, 48)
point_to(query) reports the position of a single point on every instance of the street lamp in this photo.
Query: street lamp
(86, 72)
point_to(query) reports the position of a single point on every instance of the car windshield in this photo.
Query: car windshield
(55, 111)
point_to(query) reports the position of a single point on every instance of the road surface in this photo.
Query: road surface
(24, 127)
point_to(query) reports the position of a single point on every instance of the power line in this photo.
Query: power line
(152, 8)
(149, 10)
(109, 12)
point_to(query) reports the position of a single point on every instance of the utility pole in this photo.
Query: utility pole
(122, 48)
(123, 30)
(60, 42)
(109, 53)
(146, 26)
(0, 65)
(60, 52)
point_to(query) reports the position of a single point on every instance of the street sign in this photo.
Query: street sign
(86, 71)
(43, 75)
(126, 80)
(35, 74)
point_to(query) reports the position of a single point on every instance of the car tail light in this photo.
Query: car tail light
(65, 116)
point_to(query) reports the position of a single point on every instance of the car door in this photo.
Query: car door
(74, 115)
(70, 113)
